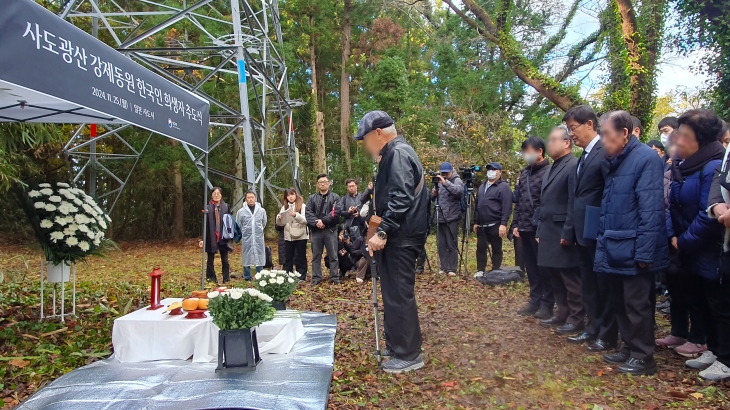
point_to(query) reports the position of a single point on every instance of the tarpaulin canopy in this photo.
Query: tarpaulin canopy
(54, 72)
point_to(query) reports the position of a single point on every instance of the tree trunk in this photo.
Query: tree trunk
(321, 164)
(345, 86)
(178, 211)
(642, 54)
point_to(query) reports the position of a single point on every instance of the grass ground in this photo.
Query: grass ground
(479, 353)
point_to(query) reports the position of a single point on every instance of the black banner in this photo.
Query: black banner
(42, 52)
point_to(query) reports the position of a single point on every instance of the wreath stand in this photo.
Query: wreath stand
(63, 281)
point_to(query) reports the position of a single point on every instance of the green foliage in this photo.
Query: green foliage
(240, 309)
(387, 86)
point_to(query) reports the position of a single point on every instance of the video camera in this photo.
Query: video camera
(467, 175)
(434, 177)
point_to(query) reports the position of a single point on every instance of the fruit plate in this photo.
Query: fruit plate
(196, 314)
(176, 311)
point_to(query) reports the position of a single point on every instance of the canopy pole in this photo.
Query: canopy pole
(205, 223)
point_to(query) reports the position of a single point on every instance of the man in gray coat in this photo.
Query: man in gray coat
(556, 236)
(447, 196)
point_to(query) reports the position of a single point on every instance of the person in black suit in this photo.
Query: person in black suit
(591, 171)
(556, 237)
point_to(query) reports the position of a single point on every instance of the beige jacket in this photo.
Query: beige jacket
(297, 229)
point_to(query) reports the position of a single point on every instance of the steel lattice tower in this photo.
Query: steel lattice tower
(234, 41)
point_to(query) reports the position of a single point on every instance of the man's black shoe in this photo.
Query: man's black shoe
(569, 329)
(619, 357)
(601, 346)
(528, 310)
(666, 311)
(544, 313)
(315, 283)
(552, 322)
(638, 367)
(419, 269)
(662, 305)
(584, 337)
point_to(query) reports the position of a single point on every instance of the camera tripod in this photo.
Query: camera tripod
(464, 251)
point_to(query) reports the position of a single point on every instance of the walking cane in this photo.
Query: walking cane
(374, 275)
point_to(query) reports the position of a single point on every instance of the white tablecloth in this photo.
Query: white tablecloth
(147, 335)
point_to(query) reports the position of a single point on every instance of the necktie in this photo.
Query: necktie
(580, 161)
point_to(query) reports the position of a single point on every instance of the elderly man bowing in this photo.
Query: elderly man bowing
(556, 250)
(401, 202)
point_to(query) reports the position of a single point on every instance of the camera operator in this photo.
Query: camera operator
(351, 203)
(493, 210)
(448, 194)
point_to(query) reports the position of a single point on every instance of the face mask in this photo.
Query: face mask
(664, 139)
(491, 175)
(530, 157)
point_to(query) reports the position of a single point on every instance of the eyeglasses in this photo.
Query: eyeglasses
(323, 182)
(572, 130)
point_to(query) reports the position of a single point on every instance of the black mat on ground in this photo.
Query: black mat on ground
(298, 380)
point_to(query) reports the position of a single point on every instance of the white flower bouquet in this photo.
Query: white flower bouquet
(68, 223)
(240, 308)
(278, 284)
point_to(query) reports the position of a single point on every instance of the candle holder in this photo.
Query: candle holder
(155, 276)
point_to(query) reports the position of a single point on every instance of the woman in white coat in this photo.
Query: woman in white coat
(292, 218)
(251, 218)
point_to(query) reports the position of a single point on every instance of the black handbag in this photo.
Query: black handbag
(536, 213)
(269, 259)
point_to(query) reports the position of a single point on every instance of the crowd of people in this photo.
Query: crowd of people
(600, 235)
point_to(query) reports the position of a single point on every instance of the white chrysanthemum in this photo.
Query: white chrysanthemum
(100, 235)
(280, 280)
(291, 280)
(263, 283)
(39, 205)
(97, 242)
(265, 297)
(72, 241)
(90, 200)
(50, 207)
(236, 294)
(67, 195)
(44, 185)
(65, 208)
(54, 198)
(107, 218)
(77, 201)
(47, 191)
(102, 224)
(61, 220)
(46, 223)
(77, 191)
(84, 246)
(272, 274)
(62, 184)
(257, 276)
(71, 229)
(34, 194)
(89, 210)
(91, 235)
(214, 294)
(272, 280)
(56, 236)
(81, 219)
(84, 228)
(265, 272)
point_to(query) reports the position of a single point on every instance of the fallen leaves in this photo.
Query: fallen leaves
(20, 363)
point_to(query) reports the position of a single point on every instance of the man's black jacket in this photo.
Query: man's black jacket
(495, 205)
(404, 211)
(324, 207)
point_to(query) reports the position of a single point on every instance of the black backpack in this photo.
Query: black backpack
(502, 276)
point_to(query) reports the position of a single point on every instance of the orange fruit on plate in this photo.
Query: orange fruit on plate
(202, 304)
(190, 304)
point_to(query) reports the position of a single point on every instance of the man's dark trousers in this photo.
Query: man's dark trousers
(489, 236)
(448, 246)
(566, 286)
(397, 280)
(596, 298)
(634, 313)
(324, 239)
(541, 292)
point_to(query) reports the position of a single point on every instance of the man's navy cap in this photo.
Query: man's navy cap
(494, 165)
(371, 121)
(446, 167)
